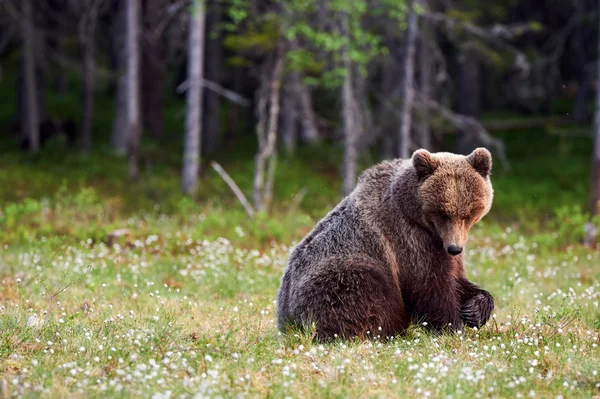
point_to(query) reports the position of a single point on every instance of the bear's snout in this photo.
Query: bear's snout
(454, 250)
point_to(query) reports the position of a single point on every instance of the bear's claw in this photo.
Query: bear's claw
(476, 310)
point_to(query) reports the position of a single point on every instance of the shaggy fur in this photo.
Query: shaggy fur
(391, 252)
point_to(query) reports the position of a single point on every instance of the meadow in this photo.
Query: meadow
(182, 306)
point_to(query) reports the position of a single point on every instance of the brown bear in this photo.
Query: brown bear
(391, 252)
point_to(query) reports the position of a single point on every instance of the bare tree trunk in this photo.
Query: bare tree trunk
(61, 84)
(351, 134)
(591, 230)
(267, 134)
(268, 196)
(387, 121)
(308, 117)
(133, 85)
(154, 70)
(55, 41)
(41, 49)
(469, 87)
(349, 115)
(408, 82)
(30, 115)
(289, 115)
(233, 114)
(426, 75)
(211, 126)
(363, 116)
(193, 123)
(88, 47)
(120, 136)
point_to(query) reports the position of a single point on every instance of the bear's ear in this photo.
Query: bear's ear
(424, 163)
(481, 160)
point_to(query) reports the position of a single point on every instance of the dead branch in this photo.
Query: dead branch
(297, 200)
(234, 187)
(495, 36)
(558, 40)
(220, 90)
(75, 66)
(468, 125)
(170, 12)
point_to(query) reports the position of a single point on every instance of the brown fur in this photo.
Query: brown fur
(382, 257)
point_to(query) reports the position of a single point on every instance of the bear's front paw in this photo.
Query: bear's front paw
(477, 310)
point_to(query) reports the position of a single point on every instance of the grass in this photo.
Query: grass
(171, 313)
(184, 306)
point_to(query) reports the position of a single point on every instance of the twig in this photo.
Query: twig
(234, 187)
(61, 289)
(297, 199)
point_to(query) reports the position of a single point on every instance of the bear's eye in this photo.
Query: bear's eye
(444, 217)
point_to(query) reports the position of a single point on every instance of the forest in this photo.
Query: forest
(159, 159)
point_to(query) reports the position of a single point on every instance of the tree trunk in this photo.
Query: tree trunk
(88, 47)
(233, 114)
(120, 133)
(408, 82)
(191, 156)
(267, 134)
(289, 115)
(211, 127)
(363, 116)
(61, 84)
(308, 117)
(349, 114)
(591, 230)
(154, 70)
(387, 121)
(133, 86)
(469, 95)
(425, 74)
(39, 17)
(580, 108)
(351, 134)
(55, 41)
(30, 115)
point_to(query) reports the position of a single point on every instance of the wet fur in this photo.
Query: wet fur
(378, 261)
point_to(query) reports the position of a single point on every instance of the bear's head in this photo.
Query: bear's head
(454, 192)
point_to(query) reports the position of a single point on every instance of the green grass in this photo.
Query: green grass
(184, 306)
(173, 311)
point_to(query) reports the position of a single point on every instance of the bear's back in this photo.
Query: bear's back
(340, 234)
(347, 230)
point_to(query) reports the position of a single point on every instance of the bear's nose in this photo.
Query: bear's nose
(454, 250)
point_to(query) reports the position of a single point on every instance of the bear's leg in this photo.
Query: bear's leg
(476, 304)
(437, 303)
(349, 298)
